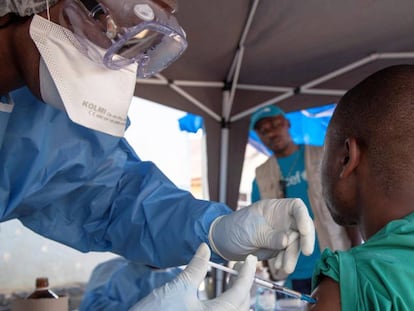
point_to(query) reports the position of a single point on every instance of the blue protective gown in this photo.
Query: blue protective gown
(90, 191)
(119, 284)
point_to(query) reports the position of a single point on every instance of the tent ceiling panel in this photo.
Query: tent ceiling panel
(277, 43)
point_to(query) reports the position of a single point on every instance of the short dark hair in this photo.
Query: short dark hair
(379, 113)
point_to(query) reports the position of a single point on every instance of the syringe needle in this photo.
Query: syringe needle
(269, 284)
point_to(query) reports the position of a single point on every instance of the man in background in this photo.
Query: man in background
(293, 171)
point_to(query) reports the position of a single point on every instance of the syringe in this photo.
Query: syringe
(269, 284)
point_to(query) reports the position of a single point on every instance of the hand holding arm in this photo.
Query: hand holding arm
(269, 228)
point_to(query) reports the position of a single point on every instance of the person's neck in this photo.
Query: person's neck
(19, 59)
(288, 150)
(380, 211)
(9, 74)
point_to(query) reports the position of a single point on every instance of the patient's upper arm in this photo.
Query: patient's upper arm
(327, 295)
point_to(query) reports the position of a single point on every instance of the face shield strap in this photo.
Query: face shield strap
(130, 31)
(91, 5)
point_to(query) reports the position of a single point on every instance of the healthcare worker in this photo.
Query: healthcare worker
(67, 72)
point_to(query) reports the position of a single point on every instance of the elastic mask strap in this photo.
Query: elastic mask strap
(48, 10)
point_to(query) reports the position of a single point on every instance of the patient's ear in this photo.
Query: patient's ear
(351, 157)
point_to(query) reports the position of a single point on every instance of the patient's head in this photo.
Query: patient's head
(370, 143)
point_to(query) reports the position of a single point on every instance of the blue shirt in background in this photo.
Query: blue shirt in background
(293, 171)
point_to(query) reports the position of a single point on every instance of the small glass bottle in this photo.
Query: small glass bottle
(42, 290)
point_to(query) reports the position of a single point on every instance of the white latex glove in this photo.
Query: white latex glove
(181, 293)
(268, 228)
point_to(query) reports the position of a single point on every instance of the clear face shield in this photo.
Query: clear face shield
(120, 32)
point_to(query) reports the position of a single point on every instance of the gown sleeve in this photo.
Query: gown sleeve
(90, 191)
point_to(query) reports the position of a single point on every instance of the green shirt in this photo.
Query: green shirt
(377, 275)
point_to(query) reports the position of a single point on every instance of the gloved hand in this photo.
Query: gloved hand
(269, 228)
(180, 294)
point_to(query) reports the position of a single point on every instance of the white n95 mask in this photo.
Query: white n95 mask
(92, 95)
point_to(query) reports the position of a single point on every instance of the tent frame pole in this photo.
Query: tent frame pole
(306, 88)
(219, 276)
